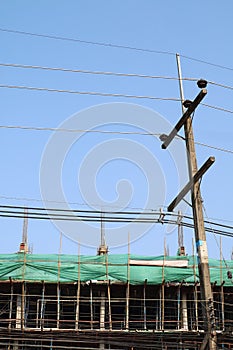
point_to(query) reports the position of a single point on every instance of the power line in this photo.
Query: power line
(61, 69)
(40, 213)
(95, 93)
(47, 36)
(214, 147)
(217, 108)
(149, 210)
(221, 85)
(78, 130)
(206, 62)
(107, 94)
(35, 128)
(118, 74)
(110, 45)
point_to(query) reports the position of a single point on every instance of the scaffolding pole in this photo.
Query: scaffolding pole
(178, 307)
(109, 294)
(222, 291)
(78, 292)
(109, 306)
(11, 303)
(144, 304)
(58, 282)
(42, 306)
(195, 287)
(23, 306)
(127, 287)
(102, 310)
(58, 304)
(91, 304)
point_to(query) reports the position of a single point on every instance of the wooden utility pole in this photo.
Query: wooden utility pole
(210, 339)
(200, 236)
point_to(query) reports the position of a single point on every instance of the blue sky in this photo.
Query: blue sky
(200, 30)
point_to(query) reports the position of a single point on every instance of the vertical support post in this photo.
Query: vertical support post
(162, 288)
(23, 306)
(222, 291)
(102, 310)
(200, 235)
(128, 287)
(42, 307)
(58, 304)
(222, 308)
(178, 307)
(109, 294)
(11, 303)
(101, 344)
(144, 304)
(37, 312)
(91, 304)
(195, 295)
(184, 310)
(78, 291)
(18, 311)
(109, 306)
(127, 307)
(162, 306)
(58, 282)
(157, 314)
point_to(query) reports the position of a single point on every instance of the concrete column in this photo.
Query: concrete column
(18, 311)
(102, 310)
(101, 345)
(184, 311)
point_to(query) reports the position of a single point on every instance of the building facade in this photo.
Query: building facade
(109, 302)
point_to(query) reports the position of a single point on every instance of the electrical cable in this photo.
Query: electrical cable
(55, 37)
(107, 94)
(117, 74)
(217, 108)
(94, 93)
(148, 212)
(78, 130)
(92, 216)
(104, 44)
(206, 62)
(16, 65)
(85, 41)
(34, 128)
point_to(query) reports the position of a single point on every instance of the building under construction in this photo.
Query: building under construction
(110, 302)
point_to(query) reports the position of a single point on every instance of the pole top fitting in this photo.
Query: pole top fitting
(187, 103)
(202, 83)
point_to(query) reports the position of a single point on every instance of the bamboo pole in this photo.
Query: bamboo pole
(11, 303)
(23, 306)
(91, 304)
(109, 294)
(58, 304)
(58, 282)
(42, 307)
(178, 307)
(144, 304)
(162, 286)
(78, 292)
(222, 283)
(128, 286)
(37, 313)
(195, 287)
(23, 291)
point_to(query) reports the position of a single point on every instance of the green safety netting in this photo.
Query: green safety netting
(119, 268)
